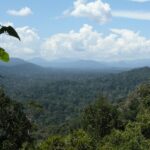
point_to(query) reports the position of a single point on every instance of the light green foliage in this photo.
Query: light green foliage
(129, 139)
(80, 140)
(53, 143)
(4, 55)
(143, 118)
(137, 101)
(137, 133)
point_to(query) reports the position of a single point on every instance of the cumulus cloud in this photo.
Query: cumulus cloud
(96, 10)
(119, 44)
(7, 23)
(87, 43)
(26, 11)
(138, 15)
(27, 48)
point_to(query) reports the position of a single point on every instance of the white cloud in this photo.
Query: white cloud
(7, 23)
(87, 43)
(119, 44)
(140, 1)
(96, 10)
(22, 12)
(138, 15)
(26, 48)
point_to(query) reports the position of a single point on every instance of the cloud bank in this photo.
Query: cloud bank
(27, 48)
(87, 43)
(119, 44)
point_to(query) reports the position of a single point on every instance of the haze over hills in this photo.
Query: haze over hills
(63, 94)
(62, 64)
(90, 64)
(39, 65)
(32, 76)
(18, 66)
(13, 62)
(71, 64)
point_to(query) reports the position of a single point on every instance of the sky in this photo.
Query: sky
(101, 30)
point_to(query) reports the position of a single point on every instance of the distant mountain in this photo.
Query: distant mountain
(64, 93)
(19, 67)
(39, 61)
(38, 65)
(132, 63)
(68, 63)
(79, 64)
(13, 62)
(90, 64)
(84, 65)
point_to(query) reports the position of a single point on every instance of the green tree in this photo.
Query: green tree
(14, 125)
(53, 143)
(80, 140)
(130, 139)
(143, 117)
(100, 118)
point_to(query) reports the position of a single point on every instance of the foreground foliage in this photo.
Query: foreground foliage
(101, 125)
(63, 94)
(108, 127)
(14, 125)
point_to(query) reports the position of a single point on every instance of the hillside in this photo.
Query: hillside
(64, 93)
(58, 90)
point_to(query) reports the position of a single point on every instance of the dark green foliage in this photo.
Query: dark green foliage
(63, 94)
(101, 122)
(14, 125)
(53, 103)
(100, 118)
(10, 31)
(136, 135)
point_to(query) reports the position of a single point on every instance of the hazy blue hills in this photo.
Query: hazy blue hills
(64, 93)
(21, 75)
(90, 64)
(72, 64)
(19, 67)
(38, 65)
(13, 62)
(41, 65)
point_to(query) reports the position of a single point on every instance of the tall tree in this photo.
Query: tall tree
(14, 125)
(100, 118)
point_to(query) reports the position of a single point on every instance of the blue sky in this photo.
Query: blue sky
(60, 29)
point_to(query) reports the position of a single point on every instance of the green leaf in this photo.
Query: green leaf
(10, 31)
(4, 56)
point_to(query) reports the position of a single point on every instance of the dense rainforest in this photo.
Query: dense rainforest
(74, 110)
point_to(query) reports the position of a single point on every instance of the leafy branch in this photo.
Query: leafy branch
(4, 56)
